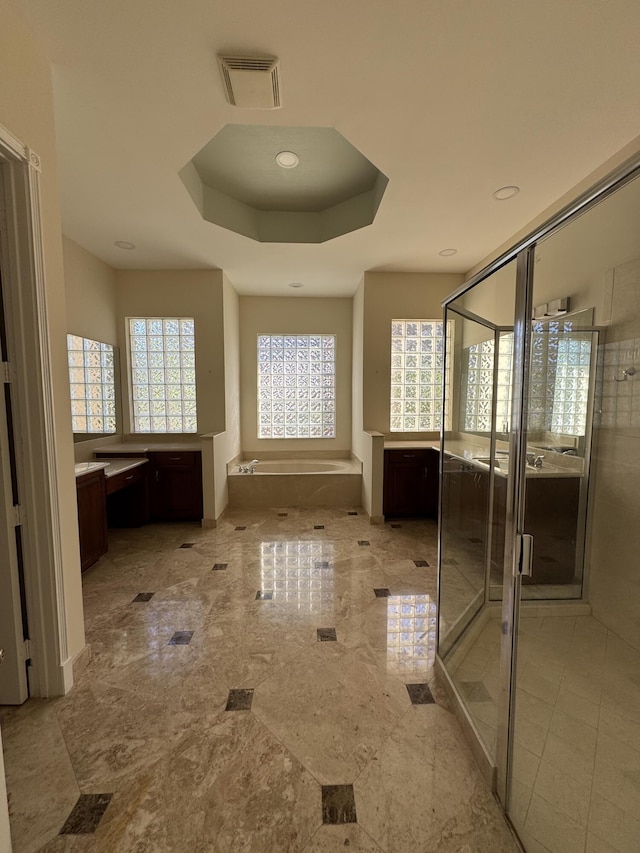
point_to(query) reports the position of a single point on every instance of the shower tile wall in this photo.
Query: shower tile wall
(614, 590)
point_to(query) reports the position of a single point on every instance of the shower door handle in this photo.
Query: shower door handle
(524, 565)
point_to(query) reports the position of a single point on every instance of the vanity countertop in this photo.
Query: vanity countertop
(554, 465)
(110, 468)
(412, 445)
(148, 446)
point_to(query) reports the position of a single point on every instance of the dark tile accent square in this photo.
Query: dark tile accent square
(218, 567)
(318, 526)
(382, 593)
(420, 694)
(239, 700)
(363, 542)
(283, 514)
(187, 544)
(321, 564)
(241, 527)
(181, 638)
(352, 512)
(338, 804)
(395, 526)
(143, 596)
(86, 814)
(475, 539)
(474, 691)
(326, 635)
(421, 564)
(263, 596)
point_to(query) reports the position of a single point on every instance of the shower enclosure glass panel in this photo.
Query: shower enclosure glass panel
(475, 474)
(575, 743)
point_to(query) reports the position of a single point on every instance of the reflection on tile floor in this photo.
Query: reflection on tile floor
(146, 723)
(577, 731)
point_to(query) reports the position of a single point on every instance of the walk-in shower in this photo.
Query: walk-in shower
(539, 592)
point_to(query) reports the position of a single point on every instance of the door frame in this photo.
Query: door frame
(51, 672)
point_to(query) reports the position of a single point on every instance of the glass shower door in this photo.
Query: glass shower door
(475, 487)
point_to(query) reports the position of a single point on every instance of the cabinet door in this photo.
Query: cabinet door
(176, 487)
(92, 518)
(409, 487)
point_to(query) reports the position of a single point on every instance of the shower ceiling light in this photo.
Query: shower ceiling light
(447, 253)
(124, 244)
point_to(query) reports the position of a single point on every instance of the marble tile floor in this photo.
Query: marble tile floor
(212, 720)
(577, 732)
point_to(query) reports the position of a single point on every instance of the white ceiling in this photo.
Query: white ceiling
(450, 99)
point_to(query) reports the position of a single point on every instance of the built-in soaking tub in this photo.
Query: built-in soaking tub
(296, 482)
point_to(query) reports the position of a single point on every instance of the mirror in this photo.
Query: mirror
(93, 368)
(561, 384)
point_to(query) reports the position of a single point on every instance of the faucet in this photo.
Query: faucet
(249, 468)
(534, 461)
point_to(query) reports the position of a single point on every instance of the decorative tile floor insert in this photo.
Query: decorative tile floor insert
(187, 544)
(338, 804)
(421, 564)
(86, 814)
(181, 638)
(420, 694)
(326, 635)
(219, 567)
(142, 596)
(239, 700)
(382, 593)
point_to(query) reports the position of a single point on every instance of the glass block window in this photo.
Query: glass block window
(93, 390)
(417, 375)
(163, 374)
(296, 386)
(478, 385)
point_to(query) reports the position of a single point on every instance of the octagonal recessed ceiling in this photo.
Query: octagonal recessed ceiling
(235, 182)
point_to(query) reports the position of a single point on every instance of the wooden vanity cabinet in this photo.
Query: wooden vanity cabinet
(175, 487)
(92, 517)
(410, 483)
(551, 517)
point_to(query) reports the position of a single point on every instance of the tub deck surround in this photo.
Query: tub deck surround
(149, 728)
(290, 482)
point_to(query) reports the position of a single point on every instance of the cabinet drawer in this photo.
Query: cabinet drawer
(417, 454)
(124, 479)
(177, 459)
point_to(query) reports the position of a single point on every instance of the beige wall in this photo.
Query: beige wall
(389, 296)
(291, 315)
(90, 294)
(180, 293)
(26, 109)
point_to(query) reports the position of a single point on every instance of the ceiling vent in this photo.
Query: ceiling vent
(251, 82)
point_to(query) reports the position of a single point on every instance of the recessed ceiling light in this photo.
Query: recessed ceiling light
(296, 284)
(506, 192)
(287, 159)
(446, 253)
(124, 244)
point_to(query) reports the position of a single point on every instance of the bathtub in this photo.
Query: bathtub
(296, 482)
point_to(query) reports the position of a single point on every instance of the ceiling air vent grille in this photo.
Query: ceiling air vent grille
(251, 82)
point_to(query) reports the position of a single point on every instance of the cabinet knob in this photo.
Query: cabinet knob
(175, 458)
(409, 455)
